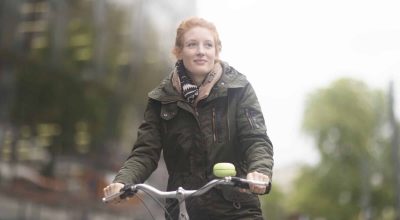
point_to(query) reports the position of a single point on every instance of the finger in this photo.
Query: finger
(259, 189)
(109, 190)
(114, 188)
(243, 190)
(106, 191)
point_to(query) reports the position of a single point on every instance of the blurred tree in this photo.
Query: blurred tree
(352, 181)
(80, 87)
(74, 78)
(273, 204)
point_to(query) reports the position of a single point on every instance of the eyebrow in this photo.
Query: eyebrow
(190, 40)
(193, 40)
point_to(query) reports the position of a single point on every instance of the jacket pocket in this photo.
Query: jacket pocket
(219, 122)
(214, 126)
(167, 113)
(251, 118)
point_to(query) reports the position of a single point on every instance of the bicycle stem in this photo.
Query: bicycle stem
(183, 215)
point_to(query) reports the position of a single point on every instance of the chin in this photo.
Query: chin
(201, 71)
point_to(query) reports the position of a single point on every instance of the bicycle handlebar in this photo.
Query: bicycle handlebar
(131, 190)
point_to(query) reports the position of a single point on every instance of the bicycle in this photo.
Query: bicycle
(225, 171)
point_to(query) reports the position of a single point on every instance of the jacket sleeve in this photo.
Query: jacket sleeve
(143, 159)
(254, 141)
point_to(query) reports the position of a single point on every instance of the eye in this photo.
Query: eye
(191, 44)
(209, 45)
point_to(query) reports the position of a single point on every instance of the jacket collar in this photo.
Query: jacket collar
(230, 79)
(208, 84)
(165, 92)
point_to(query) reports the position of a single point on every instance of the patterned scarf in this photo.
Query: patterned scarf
(190, 90)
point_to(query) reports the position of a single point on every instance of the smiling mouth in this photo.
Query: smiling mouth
(200, 61)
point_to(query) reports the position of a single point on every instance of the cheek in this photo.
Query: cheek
(187, 62)
(187, 54)
(213, 54)
(212, 59)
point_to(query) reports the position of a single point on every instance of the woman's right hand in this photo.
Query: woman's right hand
(112, 189)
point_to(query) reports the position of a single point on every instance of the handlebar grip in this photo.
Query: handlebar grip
(238, 182)
(125, 192)
(128, 191)
(245, 184)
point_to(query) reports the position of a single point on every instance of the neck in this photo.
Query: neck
(198, 79)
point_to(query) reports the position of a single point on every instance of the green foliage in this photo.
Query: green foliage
(343, 119)
(273, 204)
(346, 121)
(49, 96)
(82, 92)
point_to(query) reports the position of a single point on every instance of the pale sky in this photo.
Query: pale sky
(290, 48)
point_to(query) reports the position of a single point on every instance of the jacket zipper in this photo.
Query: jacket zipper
(249, 118)
(213, 125)
(196, 115)
(228, 118)
(196, 111)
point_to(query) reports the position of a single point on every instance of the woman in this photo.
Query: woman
(205, 112)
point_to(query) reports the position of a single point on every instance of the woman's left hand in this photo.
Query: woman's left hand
(258, 189)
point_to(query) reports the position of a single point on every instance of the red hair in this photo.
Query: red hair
(189, 24)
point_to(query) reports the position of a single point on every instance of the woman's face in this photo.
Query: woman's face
(199, 51)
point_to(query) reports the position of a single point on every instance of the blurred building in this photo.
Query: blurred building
(84, 34)
(44, 31)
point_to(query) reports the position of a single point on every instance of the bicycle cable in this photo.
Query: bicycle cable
(145, 205)
(158, 203)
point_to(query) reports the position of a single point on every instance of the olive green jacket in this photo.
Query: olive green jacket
(227, 126)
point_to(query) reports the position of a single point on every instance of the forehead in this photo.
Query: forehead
(198, 34)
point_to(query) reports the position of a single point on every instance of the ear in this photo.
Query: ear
(178, 53)
(217, 52)
(216, 55)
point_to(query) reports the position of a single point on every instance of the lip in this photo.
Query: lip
(200, 61)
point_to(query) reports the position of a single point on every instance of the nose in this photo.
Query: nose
(200, 50)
